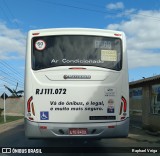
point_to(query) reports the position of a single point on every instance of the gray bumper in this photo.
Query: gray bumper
(59, 130)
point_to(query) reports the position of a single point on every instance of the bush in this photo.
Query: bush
(1, 110)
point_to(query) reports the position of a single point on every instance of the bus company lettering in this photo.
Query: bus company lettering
(51, 91)
(77, 76)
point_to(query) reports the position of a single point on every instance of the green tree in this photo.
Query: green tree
(14, 92)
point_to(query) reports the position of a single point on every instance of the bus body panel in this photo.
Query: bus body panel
(83, 99)
(62, 98)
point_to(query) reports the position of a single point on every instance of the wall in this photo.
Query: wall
(14, 106)
(143, 104)
(136, 98)
(146, 106)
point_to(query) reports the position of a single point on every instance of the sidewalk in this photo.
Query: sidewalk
(138, 134)
(10, 125)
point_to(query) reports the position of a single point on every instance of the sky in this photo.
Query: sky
(140, 20)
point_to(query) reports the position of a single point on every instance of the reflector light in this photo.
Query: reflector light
(30, 118)
(124, 104)
(123, 117)
(117, 34)
(35, 34)
(29, 104)
(111, 126)
(43, 127)
(77, 68)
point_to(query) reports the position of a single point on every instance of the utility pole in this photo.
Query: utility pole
(4, 105)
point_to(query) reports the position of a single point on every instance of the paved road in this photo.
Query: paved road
(15, 138)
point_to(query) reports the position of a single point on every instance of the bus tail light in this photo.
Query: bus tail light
(124, 104)
(29, 104)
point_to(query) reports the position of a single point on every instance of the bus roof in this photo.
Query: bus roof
(87, 31)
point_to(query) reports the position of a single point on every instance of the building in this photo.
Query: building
(145, 101)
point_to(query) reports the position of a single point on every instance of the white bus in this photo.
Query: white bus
(76, 84)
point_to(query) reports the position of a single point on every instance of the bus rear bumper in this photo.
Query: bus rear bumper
(59, 130)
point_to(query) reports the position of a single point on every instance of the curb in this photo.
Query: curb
(10, 125)
(137, 127)
(157, 133)
(144, 136)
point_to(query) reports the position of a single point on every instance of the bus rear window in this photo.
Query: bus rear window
(76, 50)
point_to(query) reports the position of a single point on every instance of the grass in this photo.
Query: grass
(9, 119)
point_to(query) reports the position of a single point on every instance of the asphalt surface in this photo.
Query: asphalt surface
(9, 125)
(13, 136)
(136, 132)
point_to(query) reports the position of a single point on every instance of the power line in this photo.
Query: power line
(11, 13)
(11, 68)
(8, 82)
(123, 12)
(7, 71)
(11, 77)
(90, 4)
(71, 6)
(1, 8)
(98, 11)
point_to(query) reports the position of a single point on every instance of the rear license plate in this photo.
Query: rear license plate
(78, 131)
